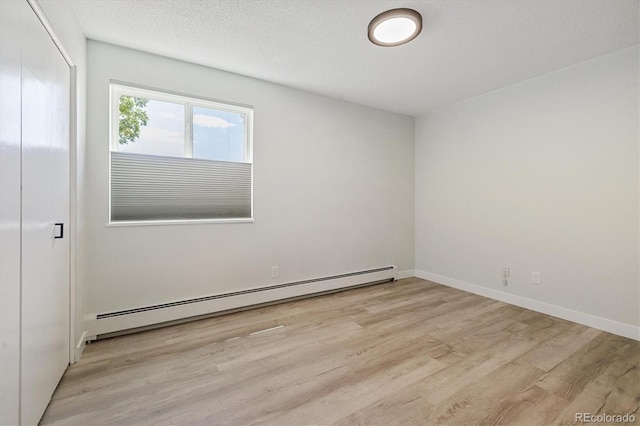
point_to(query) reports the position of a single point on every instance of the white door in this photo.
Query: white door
(10, 96)
(45, 202)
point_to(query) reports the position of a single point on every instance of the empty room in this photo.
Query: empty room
(315, 212)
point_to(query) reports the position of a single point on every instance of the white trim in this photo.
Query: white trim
(73, 209)
(73, 146)
(114, 105)
(178, 222)
(127, 84)
(49, 28)
(82, 340)
(188, 102)
(118, 88)
(188, 131)
(604, 324)
(408, 273)
(162, 95)
(80, 346)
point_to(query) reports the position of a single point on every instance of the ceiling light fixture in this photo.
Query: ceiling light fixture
(395, 27)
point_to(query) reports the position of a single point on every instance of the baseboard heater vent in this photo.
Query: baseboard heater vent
(116, 321)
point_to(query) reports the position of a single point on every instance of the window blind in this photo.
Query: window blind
(148, 187)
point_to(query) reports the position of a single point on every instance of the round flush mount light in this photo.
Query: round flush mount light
(395, 27)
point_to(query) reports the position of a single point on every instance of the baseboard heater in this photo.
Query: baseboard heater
(143, 316)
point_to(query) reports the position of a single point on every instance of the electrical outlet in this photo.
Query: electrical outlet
(535, 277)
(506, 272)
(274, 272)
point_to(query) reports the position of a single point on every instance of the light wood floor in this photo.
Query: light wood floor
(409, 352)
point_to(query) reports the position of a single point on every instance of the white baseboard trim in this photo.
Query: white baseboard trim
(409, 273)
(79, 349)
(604, 324)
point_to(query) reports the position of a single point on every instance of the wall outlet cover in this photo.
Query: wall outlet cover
(535, 277)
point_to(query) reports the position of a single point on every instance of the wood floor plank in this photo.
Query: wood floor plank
(479, 399)
(615, 391)
(409, 352)
(569, 378)
(505, 346)
(404, 407)
(553, 351)
(534, 406)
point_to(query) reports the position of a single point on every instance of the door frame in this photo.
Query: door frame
(74, 349)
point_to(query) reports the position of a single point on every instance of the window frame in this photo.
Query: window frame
(119, 88)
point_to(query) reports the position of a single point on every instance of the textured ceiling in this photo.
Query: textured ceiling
(466, 48)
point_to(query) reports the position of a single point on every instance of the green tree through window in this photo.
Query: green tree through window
(132, 117)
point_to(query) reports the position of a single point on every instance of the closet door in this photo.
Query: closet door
(45, 203)
(9, 212)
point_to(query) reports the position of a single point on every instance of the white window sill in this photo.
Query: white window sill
(178, 222)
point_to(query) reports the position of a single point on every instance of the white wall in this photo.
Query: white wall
(62, 18)
(333, 192)
(540, 176)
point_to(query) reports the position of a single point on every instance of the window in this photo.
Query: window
(177, 158)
